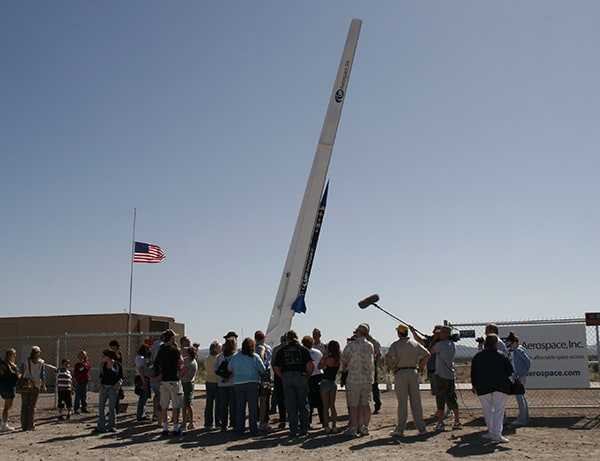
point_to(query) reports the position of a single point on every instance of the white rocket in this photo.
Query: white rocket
(296, 270)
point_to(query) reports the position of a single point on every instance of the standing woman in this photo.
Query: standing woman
(111, 377)
(9, 373)
(35, 368)
(187, 373)
(490, 372)
(247, 367)
(211, 410)
(142, 381)
(330, 364)
(225, 385)
(521, 363)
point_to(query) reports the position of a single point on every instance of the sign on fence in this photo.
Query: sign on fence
(558, 353)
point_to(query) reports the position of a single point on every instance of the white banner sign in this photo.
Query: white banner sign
(559, 358)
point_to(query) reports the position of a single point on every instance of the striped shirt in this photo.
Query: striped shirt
(64, 380)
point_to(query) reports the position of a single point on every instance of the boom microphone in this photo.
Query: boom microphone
(372, 301)
(368, 301)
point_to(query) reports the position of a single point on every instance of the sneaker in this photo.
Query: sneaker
(84, 411)
(350, 431)
(457, 425)
(98, 431)
(327, 430)
(191, 427)
(281, 426)
(439, 427)
(111, 429)
(500, 439)
(303, 433)
(488, 436)
(164, 433)
(423, 432)
(334, 430)
(61, 418)
(69, 416)
(177, 433)
(397, 433)
(364, 430)
(518, 423)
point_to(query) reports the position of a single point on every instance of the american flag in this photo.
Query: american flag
(147, 253)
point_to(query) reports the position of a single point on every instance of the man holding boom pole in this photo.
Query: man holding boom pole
(407, 358)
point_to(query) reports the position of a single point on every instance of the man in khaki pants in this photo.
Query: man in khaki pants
(406, 358)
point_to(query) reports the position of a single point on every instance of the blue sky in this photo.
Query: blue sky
(464, 181)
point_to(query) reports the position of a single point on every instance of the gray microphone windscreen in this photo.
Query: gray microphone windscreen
(368, 301)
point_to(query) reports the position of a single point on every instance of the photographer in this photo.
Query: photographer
(445, 351)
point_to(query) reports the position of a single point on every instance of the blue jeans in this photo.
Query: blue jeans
(80, 396)
(295, 390)
(142, 399)
(246, 393)
(522, 402)
(111, 395)
(227, 404)
(211, 410)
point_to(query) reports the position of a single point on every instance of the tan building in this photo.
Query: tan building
(63, 336)
(86, 323)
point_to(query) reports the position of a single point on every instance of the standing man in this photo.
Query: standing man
(169, 361)
(357, 361)
(317, 344)
(445, 387)
(426, 341)
(314, 382)
(266, 354)
(293, 364)
(278, 399)
(407, 358)
(492, 329)
(185, 343)
(376, 359)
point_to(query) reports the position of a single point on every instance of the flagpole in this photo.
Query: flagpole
(131, 274)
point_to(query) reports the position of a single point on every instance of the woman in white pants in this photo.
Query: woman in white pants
(490, 371)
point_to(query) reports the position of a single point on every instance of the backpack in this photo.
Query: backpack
(223, 370)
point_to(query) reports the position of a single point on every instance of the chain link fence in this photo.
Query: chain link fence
(55, 348)
(585, 396)
(68, 346)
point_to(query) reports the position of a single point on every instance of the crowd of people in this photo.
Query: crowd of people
(296, 379)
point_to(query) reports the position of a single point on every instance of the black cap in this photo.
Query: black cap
(231, 334)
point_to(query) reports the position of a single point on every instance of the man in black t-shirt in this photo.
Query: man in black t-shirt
(168, 361)
(293, 364)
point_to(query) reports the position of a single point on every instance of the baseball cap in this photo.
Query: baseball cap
(259, 335)
(402, 329)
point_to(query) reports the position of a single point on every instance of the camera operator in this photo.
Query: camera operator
(445, 351)
(426, 341)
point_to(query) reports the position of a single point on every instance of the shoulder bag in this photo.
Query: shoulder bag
(25, 385)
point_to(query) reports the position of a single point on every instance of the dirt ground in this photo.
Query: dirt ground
(565, 434)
